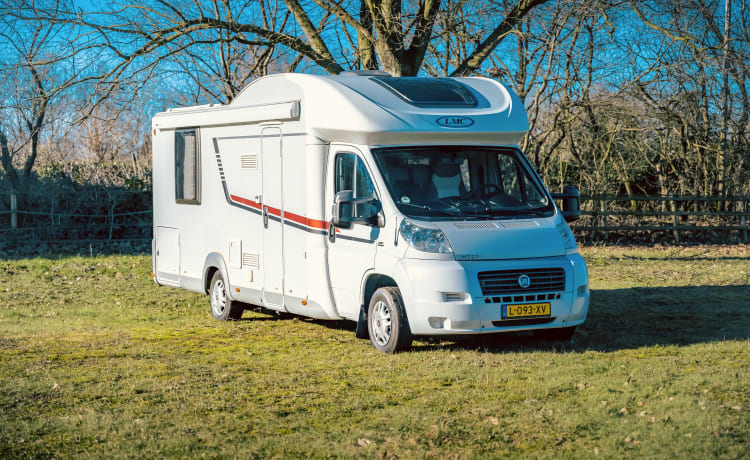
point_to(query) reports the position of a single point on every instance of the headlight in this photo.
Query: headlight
(567, 235)
(424, 239)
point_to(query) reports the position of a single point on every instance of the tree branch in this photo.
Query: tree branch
(475, 60)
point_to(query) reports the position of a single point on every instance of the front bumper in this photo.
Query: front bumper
(445, 298)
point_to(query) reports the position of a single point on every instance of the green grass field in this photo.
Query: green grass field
(97, 362)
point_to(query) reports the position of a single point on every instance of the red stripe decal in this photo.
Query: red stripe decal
(245, 201)
(314, 223)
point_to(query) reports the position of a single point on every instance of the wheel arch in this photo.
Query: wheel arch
(372, 282)
(214, 262)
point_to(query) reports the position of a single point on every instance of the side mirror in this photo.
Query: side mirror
(571, 201)
(345, 207)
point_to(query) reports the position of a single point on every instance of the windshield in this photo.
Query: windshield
(461, 182)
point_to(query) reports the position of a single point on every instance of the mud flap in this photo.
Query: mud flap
(362, 332)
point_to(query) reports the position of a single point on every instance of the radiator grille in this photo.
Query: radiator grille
(249, 161)
(250, 260)
(476, 226)
(506, 281)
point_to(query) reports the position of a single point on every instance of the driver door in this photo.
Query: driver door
(351, 252)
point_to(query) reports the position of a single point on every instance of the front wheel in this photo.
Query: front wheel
(561, 334)
(222, 307)
(386, 321)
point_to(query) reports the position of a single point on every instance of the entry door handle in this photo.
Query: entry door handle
(265, 216)
(331, 233)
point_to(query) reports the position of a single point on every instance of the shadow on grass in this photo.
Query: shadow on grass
(622, 319)
(637, 317)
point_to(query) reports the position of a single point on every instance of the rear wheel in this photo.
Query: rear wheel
(386, 321)
(562, 334)
(222, 307)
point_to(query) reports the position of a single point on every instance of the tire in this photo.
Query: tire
(562, 334)
(222, 307)
(387, 324)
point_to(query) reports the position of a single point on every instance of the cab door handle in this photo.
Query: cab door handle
(265, 216)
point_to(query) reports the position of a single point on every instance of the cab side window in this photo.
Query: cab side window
(509, 176)
(351, 174)
(344, 179)
(363, 184)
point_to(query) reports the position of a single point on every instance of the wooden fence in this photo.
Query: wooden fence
(91, 216)
(606, 218)
(125, 216)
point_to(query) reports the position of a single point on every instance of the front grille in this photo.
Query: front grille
(499, 282)
(522, 298)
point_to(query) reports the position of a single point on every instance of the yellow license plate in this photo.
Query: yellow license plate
(522, 310)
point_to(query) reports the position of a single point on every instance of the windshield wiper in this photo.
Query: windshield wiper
(517, 212)
(429, 209)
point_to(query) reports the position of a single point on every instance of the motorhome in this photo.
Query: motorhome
(401, 203)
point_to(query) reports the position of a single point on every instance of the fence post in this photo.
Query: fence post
(52, 216)
(111, 221)
(675, 221)
(744, 221)
(13, 210)
(603, 205)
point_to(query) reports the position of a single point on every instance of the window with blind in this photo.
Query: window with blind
(187, 166)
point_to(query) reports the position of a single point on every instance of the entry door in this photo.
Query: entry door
(273, 218)
(351, 252)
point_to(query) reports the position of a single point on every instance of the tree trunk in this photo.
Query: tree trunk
(722, 157)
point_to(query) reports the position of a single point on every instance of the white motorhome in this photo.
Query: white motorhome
(403, 204)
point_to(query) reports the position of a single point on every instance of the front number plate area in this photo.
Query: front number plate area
(527, 310)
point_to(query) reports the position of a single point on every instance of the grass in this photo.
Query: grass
(97, 361)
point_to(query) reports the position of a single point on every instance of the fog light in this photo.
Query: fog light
(455, 296)
(436, 322)
(583, 289)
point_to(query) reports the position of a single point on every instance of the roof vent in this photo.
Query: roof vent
(429, 91)
(364, 73)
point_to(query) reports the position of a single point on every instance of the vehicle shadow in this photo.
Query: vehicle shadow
(633, 318)
(618, 319)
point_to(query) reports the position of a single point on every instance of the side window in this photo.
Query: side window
(187, 166)
(533, 193)
(351, 174)
(364, 187)
(344, 179)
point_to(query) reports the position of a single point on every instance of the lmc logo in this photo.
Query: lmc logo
(455, 122)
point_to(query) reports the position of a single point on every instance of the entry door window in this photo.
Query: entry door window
(352, 174)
